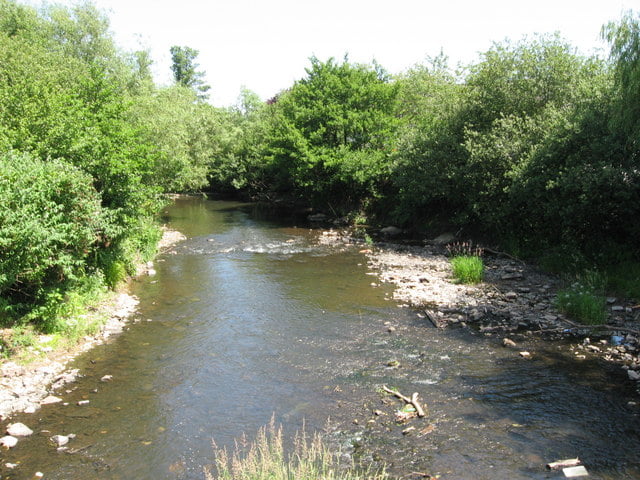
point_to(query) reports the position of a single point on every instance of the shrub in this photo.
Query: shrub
(467, 269)
(50, 222)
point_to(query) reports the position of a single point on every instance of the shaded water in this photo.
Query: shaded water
(250, 319)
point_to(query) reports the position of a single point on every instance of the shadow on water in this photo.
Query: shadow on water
(248, 318)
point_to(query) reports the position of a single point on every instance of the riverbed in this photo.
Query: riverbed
(250, 318)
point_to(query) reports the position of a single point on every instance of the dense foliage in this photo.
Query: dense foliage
(82, 164)
(534, 146)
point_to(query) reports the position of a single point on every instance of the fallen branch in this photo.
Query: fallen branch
(570, 462)
(433, 319)
(605, 327)
(412, 401)
(496, 252)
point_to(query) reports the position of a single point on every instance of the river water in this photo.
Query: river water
(249, 319)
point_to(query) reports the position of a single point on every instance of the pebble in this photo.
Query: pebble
(507, 342)
(633, 375)
(106, 378)
(50, 400)
(60, 440)
(391, 329)
(525, 354)
(11, 466)
(8, 442)
(19, 430)
(83, 402)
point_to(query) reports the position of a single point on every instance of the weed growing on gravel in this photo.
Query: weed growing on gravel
(467, 269)
(584, 300)
(265, 459)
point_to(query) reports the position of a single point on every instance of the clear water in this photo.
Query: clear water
(249, 319)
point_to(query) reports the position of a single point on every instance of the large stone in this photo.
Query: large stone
(391, 231)
(50, 400)
(60, 440)
(19, 430)
(444, 238)
(8, 441)
(317, 217)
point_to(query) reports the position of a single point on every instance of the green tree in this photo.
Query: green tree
(185, 70)
(332, 132)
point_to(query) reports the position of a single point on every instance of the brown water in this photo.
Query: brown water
(250, 319)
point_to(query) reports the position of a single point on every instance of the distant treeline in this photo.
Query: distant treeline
(534, 146)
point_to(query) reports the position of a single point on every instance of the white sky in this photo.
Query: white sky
(265, 45)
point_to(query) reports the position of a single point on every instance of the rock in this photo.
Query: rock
(525, 354)
(8, 442)
(507, 342)
(19, 430)
(633, 375)
(318, 217)
(60, 440)
(511, 295)
(611, 300)
(444, 238)
(83, 402)
(11, 466)
(106, 378)
(617, 308)
(50, 400)
(11, 369)
(391, 329)
(30, 409)
(511, 276)
(391, 231)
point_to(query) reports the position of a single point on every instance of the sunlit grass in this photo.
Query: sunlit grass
(265, 459)
(584, 300)
(467, 268)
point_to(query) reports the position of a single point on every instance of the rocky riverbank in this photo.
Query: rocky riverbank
(24, 388)
(515, 301)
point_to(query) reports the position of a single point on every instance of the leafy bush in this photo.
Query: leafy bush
(50, 223)
(467, 269)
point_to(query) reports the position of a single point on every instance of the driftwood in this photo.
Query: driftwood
(604, 327)
(558, 464)
(503, 254)
(433, 319)
(412, 401)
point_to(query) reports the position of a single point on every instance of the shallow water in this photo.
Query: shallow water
(249, 319)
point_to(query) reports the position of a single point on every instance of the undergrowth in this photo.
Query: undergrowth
(265, 459)
(584, 299)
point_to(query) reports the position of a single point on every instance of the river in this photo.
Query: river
(250, 318)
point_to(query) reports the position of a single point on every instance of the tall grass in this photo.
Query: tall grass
(265, 459)
(467, 269)
(584, 299)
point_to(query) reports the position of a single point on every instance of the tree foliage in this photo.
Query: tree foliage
(185, 70)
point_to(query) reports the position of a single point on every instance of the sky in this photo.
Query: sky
(265, 45)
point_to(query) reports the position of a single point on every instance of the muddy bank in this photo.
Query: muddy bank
(24, 388)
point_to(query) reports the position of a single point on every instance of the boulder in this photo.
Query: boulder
(444, 238)
(317, 217)
(8, 442)
(19, 430)
(391, 231)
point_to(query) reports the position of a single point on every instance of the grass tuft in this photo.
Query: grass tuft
(467, 269)
(265, 459)
(584, 300)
